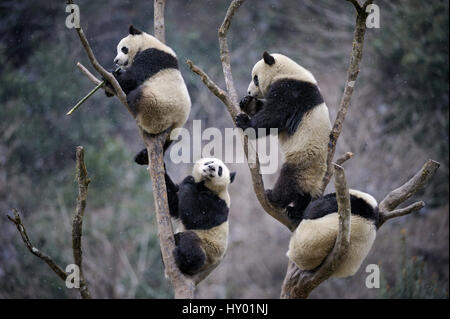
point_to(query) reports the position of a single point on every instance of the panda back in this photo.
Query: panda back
(314, 239)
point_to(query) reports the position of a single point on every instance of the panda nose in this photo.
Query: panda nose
(116, 60)
(249, 92)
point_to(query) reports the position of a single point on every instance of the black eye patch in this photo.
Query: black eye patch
(220, 171)
(256, 80)
(124, 50)
(207, 163)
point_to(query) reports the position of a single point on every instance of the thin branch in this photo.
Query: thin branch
(344, 158)
(93, 78)
(401, 212)
(352, 75)
(356, 5)
(77, 228)
(404, 192)
(225, 54)
(77, 224)
(159, 25)
(97, 66)
(23, 233)
(213, 87)
(298, 283)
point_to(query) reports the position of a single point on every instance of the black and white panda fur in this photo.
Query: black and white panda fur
(316, 234)
(284, 95)
(155, 89)
(201, 204)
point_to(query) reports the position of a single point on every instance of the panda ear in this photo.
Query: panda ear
(133, 30)
(268, 58)
(232, 176)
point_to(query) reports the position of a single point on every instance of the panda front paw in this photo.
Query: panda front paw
(243, 121)
(189, 180)
(141, 158)
(108, 88)
(245, 103)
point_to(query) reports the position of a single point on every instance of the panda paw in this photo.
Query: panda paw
(246, 100)
(141, 158)
(108, 86)
(243, 121)
(189, 180)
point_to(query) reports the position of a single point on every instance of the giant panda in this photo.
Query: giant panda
(316, 234)
(200, 205)
(284, 95)
(155, 89)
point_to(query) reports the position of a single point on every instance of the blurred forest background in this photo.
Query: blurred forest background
(399, 118)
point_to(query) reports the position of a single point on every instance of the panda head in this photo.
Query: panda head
(273, 67)
(133, 43)
(214, 173)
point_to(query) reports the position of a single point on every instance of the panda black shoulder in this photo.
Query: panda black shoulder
(295, 97)
(150, 61)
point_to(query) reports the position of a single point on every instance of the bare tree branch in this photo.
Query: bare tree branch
(403, 211)
(92, 78)
(23, 233)
(404, 192)
(77, 227)
(225, 54)
(299, 283)
(344, 158)
(77, 224)
(159, 25)
(352, 74)
(213, 87)
(97, 66)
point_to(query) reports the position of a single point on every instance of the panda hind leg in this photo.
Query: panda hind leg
(295, 212)
(189, 255)
(285, 190)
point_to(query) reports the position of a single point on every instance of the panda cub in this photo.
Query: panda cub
(284, 95)
(201, 204)
(316, 234)
(155, 89)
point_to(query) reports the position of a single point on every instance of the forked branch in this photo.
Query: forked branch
(77, 228)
